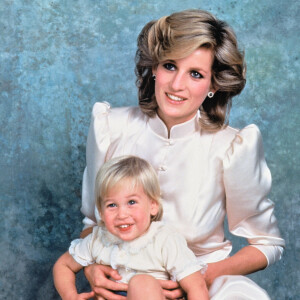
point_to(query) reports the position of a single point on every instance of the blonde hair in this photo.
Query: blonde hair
(128, 167)
(177, 36)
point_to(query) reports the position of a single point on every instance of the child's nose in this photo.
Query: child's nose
(123, 212)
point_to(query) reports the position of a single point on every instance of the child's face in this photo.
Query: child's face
(126, 211)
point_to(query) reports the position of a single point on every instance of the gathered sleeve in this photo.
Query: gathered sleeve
(247, 182)
(98, 142)
(81, 249)
(178, 259)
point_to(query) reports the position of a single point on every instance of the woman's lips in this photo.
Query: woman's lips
(175, 98)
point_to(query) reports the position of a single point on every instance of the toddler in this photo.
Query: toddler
(131, 238)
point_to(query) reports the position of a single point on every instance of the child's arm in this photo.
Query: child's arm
(64, 272)
(195, 287)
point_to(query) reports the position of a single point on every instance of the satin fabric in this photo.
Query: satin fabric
(236, 288)
(203, 177)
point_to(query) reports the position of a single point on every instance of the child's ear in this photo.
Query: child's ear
(99, 210)
(154, 208)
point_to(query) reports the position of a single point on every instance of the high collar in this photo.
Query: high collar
(177, 131)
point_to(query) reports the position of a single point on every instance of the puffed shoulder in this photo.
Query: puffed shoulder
(103, 117)
(244, 160)
(246, 142)
(100, 108)
(114, 119)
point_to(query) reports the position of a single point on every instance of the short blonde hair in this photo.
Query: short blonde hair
(177, 36)
(128, 167)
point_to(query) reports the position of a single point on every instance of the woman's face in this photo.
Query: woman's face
(182, 85)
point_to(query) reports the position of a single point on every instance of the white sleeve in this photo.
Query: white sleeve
(178, 259)
(247, 181)
(81, 249)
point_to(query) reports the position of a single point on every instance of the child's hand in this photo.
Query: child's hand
(85, 296)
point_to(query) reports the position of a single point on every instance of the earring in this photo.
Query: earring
(154, 76)
(210, 94)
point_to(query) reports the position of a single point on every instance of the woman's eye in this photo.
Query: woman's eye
(169, 66)
(196, 74)
(131, 202)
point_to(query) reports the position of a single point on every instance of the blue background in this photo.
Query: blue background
(57, 58)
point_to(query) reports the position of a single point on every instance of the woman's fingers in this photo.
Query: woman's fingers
(108, 284)
(110, 272)
(98, 276)
(173, 294)
(171, 289)
(168, 284)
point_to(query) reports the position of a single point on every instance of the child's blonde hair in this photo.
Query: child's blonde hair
(128, 167)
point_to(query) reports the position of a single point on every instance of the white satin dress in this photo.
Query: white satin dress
(203, 176)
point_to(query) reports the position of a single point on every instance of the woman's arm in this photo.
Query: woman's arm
(86, 232)
(64, 272)
(194, 286)
(246, 261)
(250, 213)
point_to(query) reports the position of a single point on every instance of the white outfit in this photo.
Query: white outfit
(203, 176)
(160, 252)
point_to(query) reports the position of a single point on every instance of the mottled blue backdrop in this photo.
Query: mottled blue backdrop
(59, 57)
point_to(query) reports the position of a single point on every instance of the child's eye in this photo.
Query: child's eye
(131, 202)
(169, 66)
(111, 205)
(196, 74)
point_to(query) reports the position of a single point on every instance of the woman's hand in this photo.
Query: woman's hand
(171, 289)
(98, 277)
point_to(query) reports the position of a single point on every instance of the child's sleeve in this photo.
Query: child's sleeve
(178, 259)
(81, 249)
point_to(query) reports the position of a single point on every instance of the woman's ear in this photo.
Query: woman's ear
(154, 69)
(213, 89)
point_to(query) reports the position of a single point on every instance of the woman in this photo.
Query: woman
(188, 69)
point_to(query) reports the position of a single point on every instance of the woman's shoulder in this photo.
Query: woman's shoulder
(229, 133)
(105, 108)
(230, 138)
(117, 117)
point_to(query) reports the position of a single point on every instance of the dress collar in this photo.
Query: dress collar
(177, 131)
(134, 246)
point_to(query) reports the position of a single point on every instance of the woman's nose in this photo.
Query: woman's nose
(177, 82)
